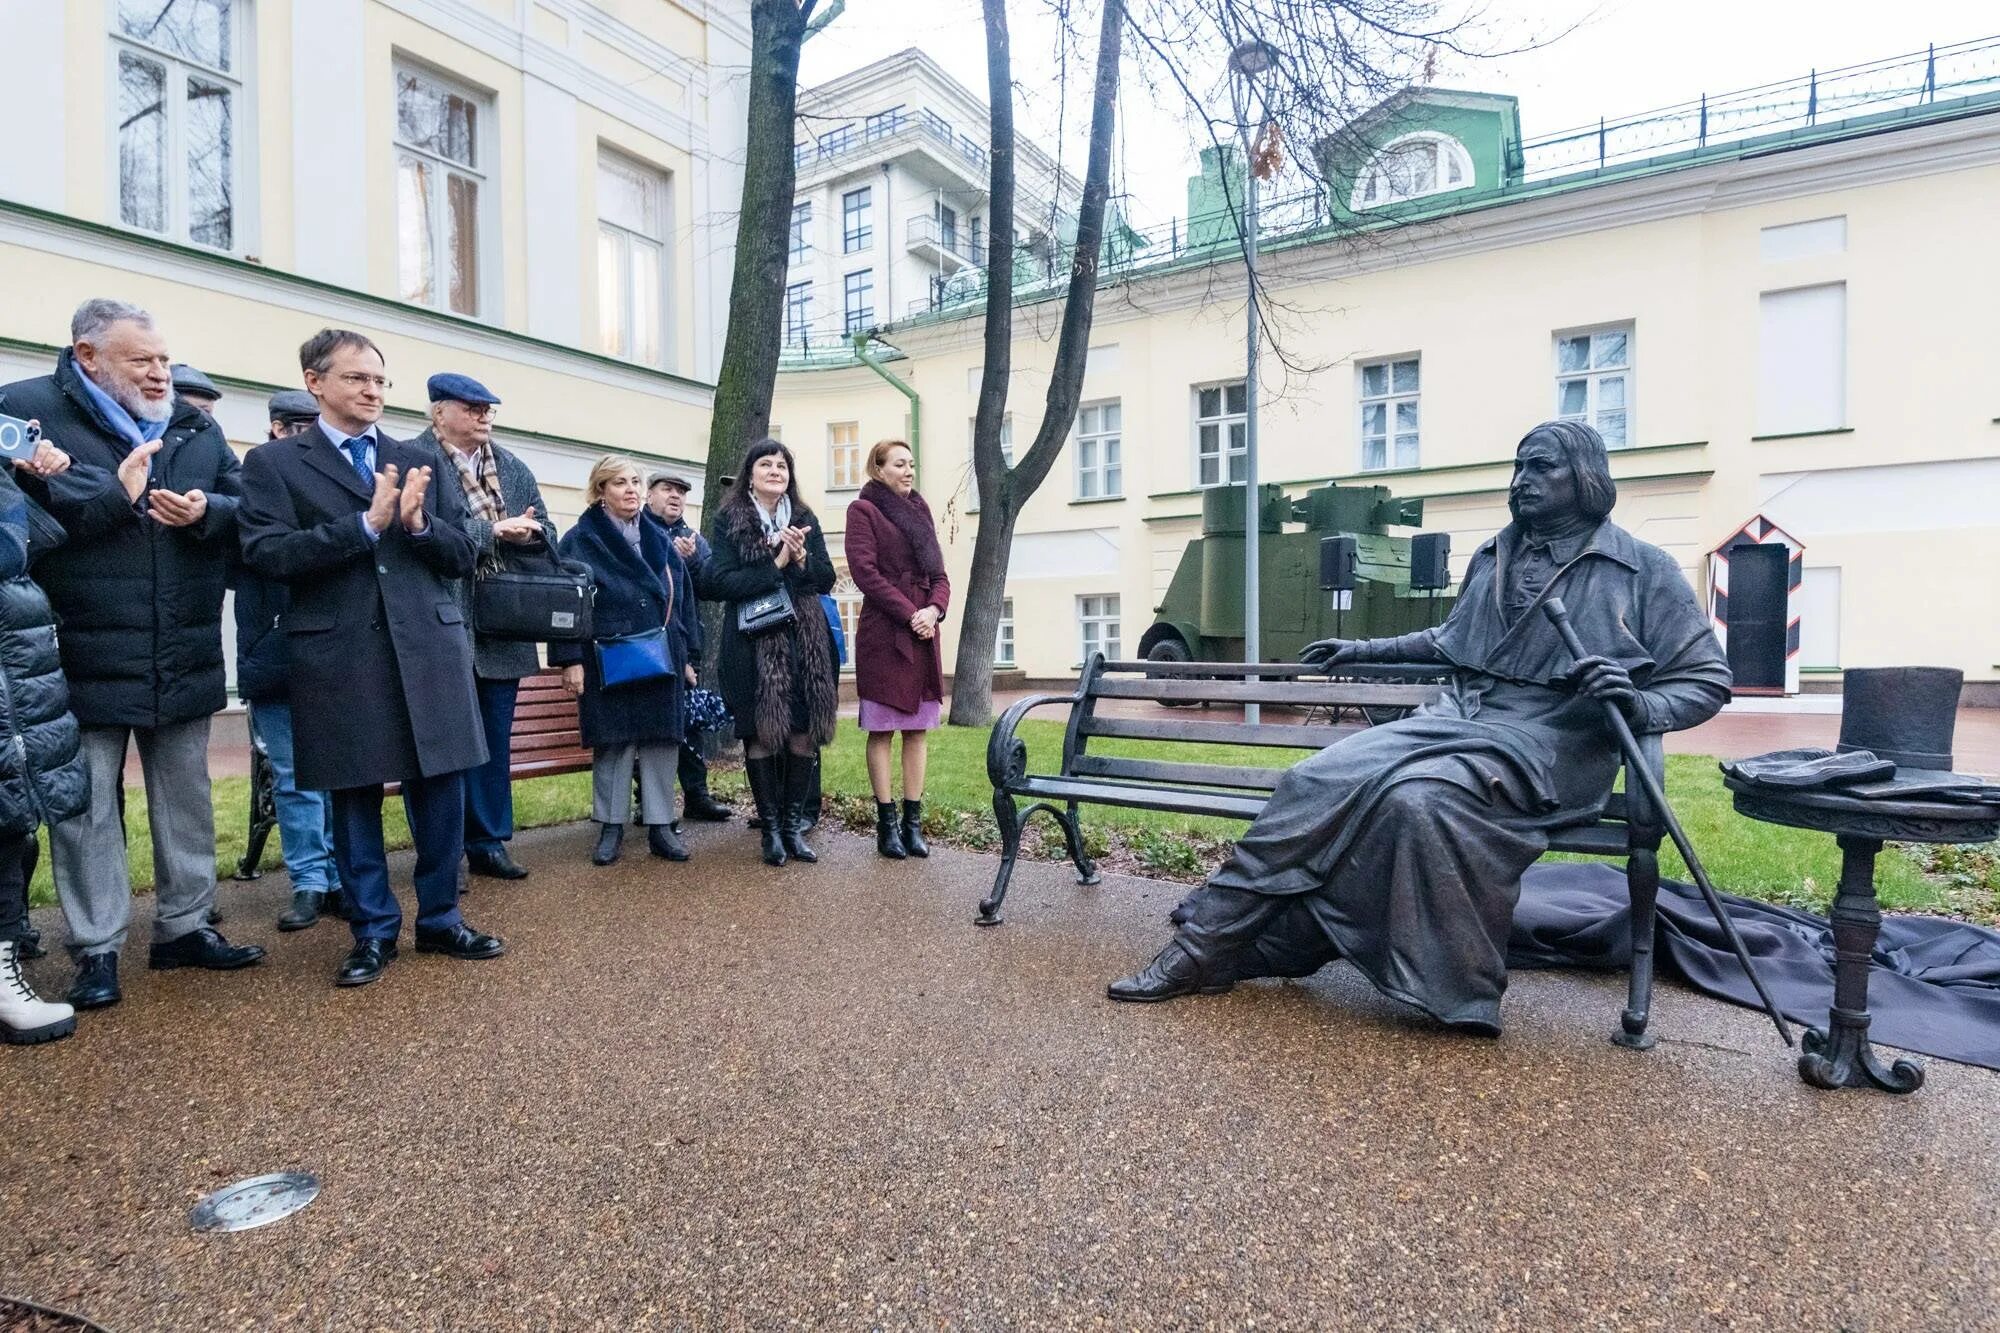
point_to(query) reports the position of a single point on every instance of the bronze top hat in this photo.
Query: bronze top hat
(1904, 714)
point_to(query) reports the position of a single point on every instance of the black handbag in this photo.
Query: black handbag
(536, 598)
(766, 612)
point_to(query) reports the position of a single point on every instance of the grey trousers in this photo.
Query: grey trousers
(611, 782)
(87, 853)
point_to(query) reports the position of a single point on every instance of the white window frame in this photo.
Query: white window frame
(1595, 376)
(242, 125)
(1390, 400)
(486, 245)
(1102, 477)
(799, 245)
(845, 470)
(860, 234)
(1221, 422)
(847, 601)
(848, 311)
(659, 184)
(1096, 611)
(798, 330)
(1003, 635)
(1447, 154)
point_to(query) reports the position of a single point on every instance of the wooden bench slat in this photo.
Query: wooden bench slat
(1294, 735)
(1304, 694)
(568, 739)
(1162, 770)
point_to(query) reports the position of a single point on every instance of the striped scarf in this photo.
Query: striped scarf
(482, 483)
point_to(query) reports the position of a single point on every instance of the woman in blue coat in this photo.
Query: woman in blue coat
(642, 586)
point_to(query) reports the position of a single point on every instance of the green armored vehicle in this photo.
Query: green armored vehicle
(1315, 585)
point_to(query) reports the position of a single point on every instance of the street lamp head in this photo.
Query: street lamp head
(1252, 58)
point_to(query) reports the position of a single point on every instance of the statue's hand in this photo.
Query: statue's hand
(1602, 678)
(1329, 653)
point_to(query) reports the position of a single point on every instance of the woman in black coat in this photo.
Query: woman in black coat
(781, 685)
(642, 586)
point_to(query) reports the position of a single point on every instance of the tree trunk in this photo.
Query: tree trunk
(1002, 490)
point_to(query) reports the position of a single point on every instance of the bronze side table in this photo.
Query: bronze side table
(1840, 1055)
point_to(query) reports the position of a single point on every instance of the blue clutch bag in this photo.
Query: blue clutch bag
(632, 658)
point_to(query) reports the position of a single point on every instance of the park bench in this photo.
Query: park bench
(545, 740)
(1627, 828)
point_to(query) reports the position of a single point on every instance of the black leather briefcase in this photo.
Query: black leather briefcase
(537, 598)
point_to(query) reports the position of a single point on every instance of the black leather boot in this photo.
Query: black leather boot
(610, 838)
(767, 790)
(801, 783)
(913, 829)
(663, 842)
(1172, 974)
(888, 831)
(698, 804)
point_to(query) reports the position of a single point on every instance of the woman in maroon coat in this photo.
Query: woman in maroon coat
(893, 556)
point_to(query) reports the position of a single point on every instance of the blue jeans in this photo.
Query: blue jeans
(305, 818)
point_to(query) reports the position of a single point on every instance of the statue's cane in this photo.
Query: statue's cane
(1638, 771)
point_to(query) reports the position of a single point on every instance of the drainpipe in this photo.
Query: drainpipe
(861, 349)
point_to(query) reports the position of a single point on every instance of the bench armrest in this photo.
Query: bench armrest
(1006, 755)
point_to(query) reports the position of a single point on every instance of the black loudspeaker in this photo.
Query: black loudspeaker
(1337, 557)
(1430, 561)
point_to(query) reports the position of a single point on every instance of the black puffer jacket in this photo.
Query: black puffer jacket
(140, 603)
(41, 765)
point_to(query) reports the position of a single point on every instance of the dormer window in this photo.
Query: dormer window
(1412, 167)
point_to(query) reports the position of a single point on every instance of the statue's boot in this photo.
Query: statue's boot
(1217, 927)
(1172, 974)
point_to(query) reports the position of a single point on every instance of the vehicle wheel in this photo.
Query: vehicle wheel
(1168, 650)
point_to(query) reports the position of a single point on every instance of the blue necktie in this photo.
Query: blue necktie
(357, 452)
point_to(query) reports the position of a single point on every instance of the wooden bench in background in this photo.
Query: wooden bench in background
(1627, 829)
(545, 741)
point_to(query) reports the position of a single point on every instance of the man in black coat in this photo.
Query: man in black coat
(380, 660)
(151, 515)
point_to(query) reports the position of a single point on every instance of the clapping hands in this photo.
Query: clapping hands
(792, 546)
(404, 503)
(520, 530)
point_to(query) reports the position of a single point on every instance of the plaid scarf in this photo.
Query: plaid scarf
(482, 483)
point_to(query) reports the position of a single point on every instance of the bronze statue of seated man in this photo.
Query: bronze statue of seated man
(1401, 848)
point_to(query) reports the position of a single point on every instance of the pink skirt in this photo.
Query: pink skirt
(881, 717)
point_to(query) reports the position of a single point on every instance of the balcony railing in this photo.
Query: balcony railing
(927, 233)
(874, 130)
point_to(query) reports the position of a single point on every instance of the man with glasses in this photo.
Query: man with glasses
(504, 512)
(377, 646)
(150, 509)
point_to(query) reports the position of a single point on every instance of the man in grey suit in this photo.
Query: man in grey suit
(503, 509)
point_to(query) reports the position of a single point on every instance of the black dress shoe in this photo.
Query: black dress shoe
(460, 941)
(364, 962)
(1169, 976)
(335, 905)
(203, 948)
(215, 916)
(610, 837)
(96, 984)
(661, 841)
(28, 944)
(700, 805)
(495, 864)
(305, 910)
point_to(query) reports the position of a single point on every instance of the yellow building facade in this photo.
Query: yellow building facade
(537, 193)
(1796, 332)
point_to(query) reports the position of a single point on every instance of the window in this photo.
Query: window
(859, 300)
(802, 216)
(1003, 639)
(1097, 617)
(978, 226)
(1389, 414)
(1594, 381)
(1099, 472)
(1802, 360)
(857, 220)
(439, 190)
(843, 456)
(882, 124)
(179, 89)
(948, 227)
(847, 601)
(798, 312)
(1219, 434)
(1410, 168)
(834, 142)
(631, 261)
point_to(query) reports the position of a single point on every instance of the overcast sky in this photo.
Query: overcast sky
(1623, 57)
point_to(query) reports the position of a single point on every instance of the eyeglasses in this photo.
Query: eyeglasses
(356, 379)
(482, 411)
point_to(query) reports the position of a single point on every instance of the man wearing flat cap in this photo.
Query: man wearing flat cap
(666, 496)
(191, 386)
(503, 511)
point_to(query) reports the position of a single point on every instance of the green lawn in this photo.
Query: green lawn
(1756, 860)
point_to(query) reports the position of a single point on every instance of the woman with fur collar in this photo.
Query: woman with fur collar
(781, 685)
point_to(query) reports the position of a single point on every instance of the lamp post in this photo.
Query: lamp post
(1246, 62)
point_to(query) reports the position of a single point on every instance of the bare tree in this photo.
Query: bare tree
(743, 386)
(1331, 60)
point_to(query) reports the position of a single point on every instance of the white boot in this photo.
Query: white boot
(24, 1018)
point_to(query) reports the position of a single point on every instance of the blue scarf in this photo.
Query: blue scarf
(113, 414)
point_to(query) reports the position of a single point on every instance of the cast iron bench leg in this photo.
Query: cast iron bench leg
(1072, 827)
(1642, 877)
(263, 813)
(1840, 1056)
(1009, 819)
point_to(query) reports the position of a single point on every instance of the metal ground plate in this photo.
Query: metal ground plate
(255, 1202)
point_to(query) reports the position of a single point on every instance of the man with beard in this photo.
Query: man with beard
(1401, 848)
(150, 510)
